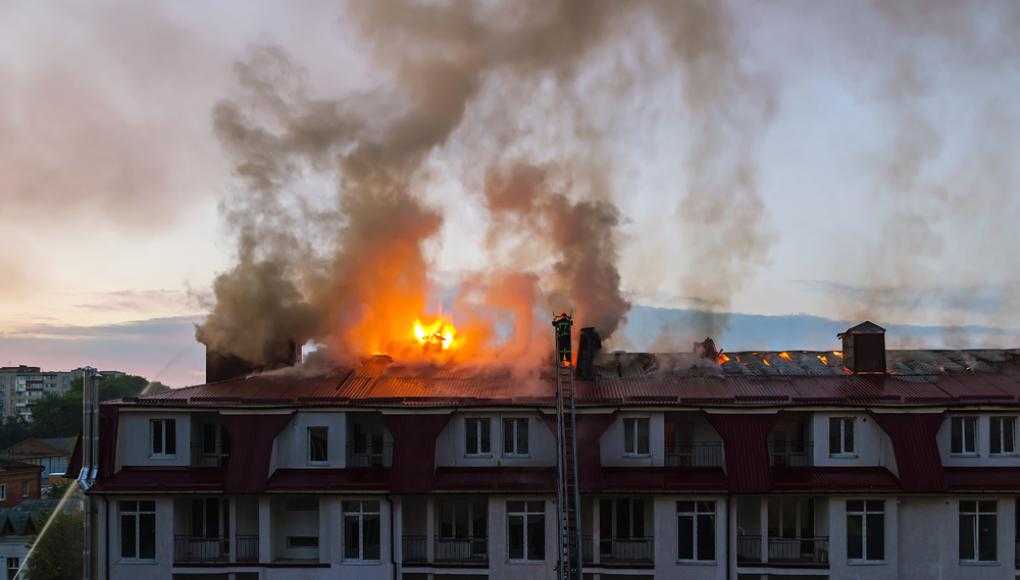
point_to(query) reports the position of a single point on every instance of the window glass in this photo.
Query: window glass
(865, 521)
(318, 449)
(977, 531)
(1002, 434)
(526, 530)
(696, 531)
(841, 435)
(477, 434)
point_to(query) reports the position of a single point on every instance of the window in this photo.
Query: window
(515, 437)
(622, 526)
(695, 530)
(24, 488)
(525, 521)
(164, 437)
(361, 530)
(865, 530)
(1002, 432)
(137, 530)
(978, 531)
(13, 565)
(477, 436)
(463, 519)
(963, 435)
(841, 435)
(3, 491)
(318, 447)
(635, 436)
(210, 518)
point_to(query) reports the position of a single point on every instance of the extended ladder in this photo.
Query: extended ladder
(568, 497)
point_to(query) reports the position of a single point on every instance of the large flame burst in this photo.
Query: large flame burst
(436, 335)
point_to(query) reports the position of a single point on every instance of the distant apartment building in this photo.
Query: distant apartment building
(21, 385)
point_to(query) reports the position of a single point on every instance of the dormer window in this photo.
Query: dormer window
(163, 437)
(841, 436)
(963, 435)
(1002, 432)
(635, 437)
(318, 445)
(478, 438)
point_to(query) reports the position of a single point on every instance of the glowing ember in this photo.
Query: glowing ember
(837, 353)
(766, 362)
(785, 356)
(436, 335)
(824, 359)
(722, 358)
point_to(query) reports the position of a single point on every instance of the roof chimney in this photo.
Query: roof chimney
(587, 348)
(864, 348)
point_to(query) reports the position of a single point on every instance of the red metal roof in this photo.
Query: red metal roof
(918, 460)
(165, 479)
(305, 480)
(503, 479)
(746, 449)
(834, 479)
(251, 446)
(662, 479)
(983, 478)
(414, 450)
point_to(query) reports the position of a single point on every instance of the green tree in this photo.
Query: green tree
(56, 554)
(60, 415)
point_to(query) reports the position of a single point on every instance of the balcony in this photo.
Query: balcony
(416, 549)
(708, 454)
(784, 551)
(612, 551)
(193, 550)
(446, 550)
(790, 454)
(380, 456)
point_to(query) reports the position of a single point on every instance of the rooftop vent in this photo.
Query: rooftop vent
(864, 348)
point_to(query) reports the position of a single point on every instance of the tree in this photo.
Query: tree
(60, 415)
(57, 552)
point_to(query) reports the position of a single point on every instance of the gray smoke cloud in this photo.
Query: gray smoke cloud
(357, 258)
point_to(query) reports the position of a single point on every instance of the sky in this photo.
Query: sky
(883, 139)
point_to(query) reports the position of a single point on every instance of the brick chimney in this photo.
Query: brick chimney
(864, 348)
(587, 349)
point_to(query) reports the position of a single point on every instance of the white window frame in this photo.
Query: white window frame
(485, 422)
(514, 427)
(694, 536)
(863, 513)
(137, 515)
(308, 438)
(164, 439)
(13, 567)
(843, 420)
(964, 420)
(1011, 420)
(632, 446)
(525, 516)
(359, 515)
(976, 529)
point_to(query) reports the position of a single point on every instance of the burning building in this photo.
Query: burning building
(705, 464)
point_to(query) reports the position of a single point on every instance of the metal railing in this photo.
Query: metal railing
(791, 454)
(416, 548)
(201, 458)
(192, 549)
(247, 548)
(709, 454)
(613, 550)
(371, 458)
(462, 550)
(784, 550)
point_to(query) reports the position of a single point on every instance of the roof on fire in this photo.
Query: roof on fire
(762, 378)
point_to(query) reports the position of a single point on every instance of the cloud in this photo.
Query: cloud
(160, 349)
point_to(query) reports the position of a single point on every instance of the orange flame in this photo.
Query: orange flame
(785, 356)
(766, 362)
(722, 358)
(824, 359)
(838, 353)
(436, 335)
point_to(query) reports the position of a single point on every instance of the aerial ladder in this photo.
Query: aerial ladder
(568, 497)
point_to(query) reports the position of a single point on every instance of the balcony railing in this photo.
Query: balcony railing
(462, 550)
(709, 454)
(416, 548)
(795, 551)
(634, 550)
(200, 458)
(191, 549)
(790, 454)
(247, 548)
(371, 458)
(458, 550)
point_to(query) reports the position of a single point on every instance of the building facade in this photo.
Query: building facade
(52, 454)
(21, 385)
(740, 466)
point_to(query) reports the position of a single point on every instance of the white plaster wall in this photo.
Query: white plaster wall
(499, 561)
(451, 445)
(286, 522)
(666, 565)
(887, 569)
(929, 541)
(611, 445)
(984, 457)
(134, 440)
(161, 567)
(291, 445)
(12, 547)
(872, 445)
